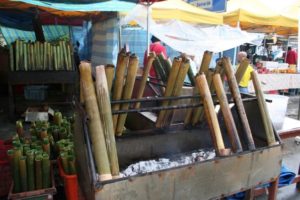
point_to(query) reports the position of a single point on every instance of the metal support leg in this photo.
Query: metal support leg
(273, 189)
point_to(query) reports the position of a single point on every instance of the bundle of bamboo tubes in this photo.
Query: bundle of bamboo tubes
(65, 149)
(32, 56)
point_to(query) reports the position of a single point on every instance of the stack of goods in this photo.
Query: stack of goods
(38, 56)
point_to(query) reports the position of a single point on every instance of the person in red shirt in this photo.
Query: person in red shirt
(157, 48)
(291, 57)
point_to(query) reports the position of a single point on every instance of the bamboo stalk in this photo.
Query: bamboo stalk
(49, 57)
(23, 173)
(106, 118)
(263, 110)
(241, 70)
(16, 173)
(30, 169)
(110, 74)
(17, 49)
(70, 56)
(118, 84)
(61, 56)
(46, 146)
(191, 76)
(63, 44)
(38, 172)
(185, 65)
(227, 115)
(95, 127)
(42, 56)
(64, 162)
(210, 114)
(169, 90)
(57, 118)
(11, 57)
(46, 170)
(165, 64)
(160, 71)
(55, 58)
(238, 101)
(19, 128)
(127, 91)
(45, 56)
(143, 82)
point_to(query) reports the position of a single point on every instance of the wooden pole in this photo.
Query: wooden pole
(263, 110)
(146, 70)
(241, 70)
(210, 114)
(238, 102)
(110, 74)
(227, 115)
(94, 123)
(106, 119)
(119, 83)
(127, 92)
(169, 89)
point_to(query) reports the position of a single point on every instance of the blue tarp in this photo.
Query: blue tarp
(112, 5)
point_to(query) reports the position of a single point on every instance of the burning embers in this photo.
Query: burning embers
(143, 167)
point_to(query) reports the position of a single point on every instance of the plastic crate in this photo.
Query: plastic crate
(36, 92)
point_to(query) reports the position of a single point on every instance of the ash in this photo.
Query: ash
(166, 163)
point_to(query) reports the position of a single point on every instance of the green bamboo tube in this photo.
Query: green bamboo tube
(160, 70)
(193, 115)
(241, 70)
(143, 82)
(185, 65)
(106, 117)
(127, 91)
(263, 110)
(19, 128)
(16, 171)
(94, 123)
(71, 164)
(110, 74)
(46, 170)
(55, 133)
(11, 57)
(65, 162)
(119, 83)
(38, 172)
(57, 118)
(61, 56)
(65, 56)
(30, 170)
(17, 49)
(46, 146)
(169, 90)
(23, 173)
(191, 76)
(165, 64)
(63, 133)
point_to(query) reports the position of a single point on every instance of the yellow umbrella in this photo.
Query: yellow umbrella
(256, 16)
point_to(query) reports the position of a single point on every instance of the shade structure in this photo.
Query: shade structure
(257, 16)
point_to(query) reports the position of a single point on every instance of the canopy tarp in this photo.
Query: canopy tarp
(256, 16)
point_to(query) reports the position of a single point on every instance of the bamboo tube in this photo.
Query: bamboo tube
(110, 74)
(44, 55)
(165, 64)
(62, 67)
(65, 56)
(169, 90)
(17, 49)
(38, 172)
(55, 57)
(95, 127)
(63, 133)
(127, 91)
(30, 170)
(43, 133)
(14, 169)
(144, 79)
(119, 82)
(70, 56)
(16, 173)
(25, 56)
(263, 110)
(241, 70)
(46, 170)
(191, 76)
(11, 57)
(58, 57)
(64, 162)
(210, 114)
(49, 56)
(32, 65)
(57, 118)
(71, 164)
(238, 102)
(19, 127)
(193, 115)
(227, 115)
(185, 65)
(106, 117)
(23, 173)
(46, 146)
(160, 70)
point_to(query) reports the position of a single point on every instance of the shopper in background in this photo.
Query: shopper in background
(243, 86)
(291, 57)
(158, 49)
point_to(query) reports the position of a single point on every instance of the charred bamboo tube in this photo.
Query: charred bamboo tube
(194, 114)
(106, 118)
(23, 173)
(30, 170)
(185, 65)
(118, 84)
(110, 74)
(238, 102)
(241, 70)
(71, 164)
(46, 170)
(227, 115)
(210, 114)
(16, 171)
(169, 90)
(144, 78)
(263, 110)
(127, 91)
(38, 172)
(11, 57)
(95, 127)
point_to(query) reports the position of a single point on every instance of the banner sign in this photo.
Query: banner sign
(211, 5)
